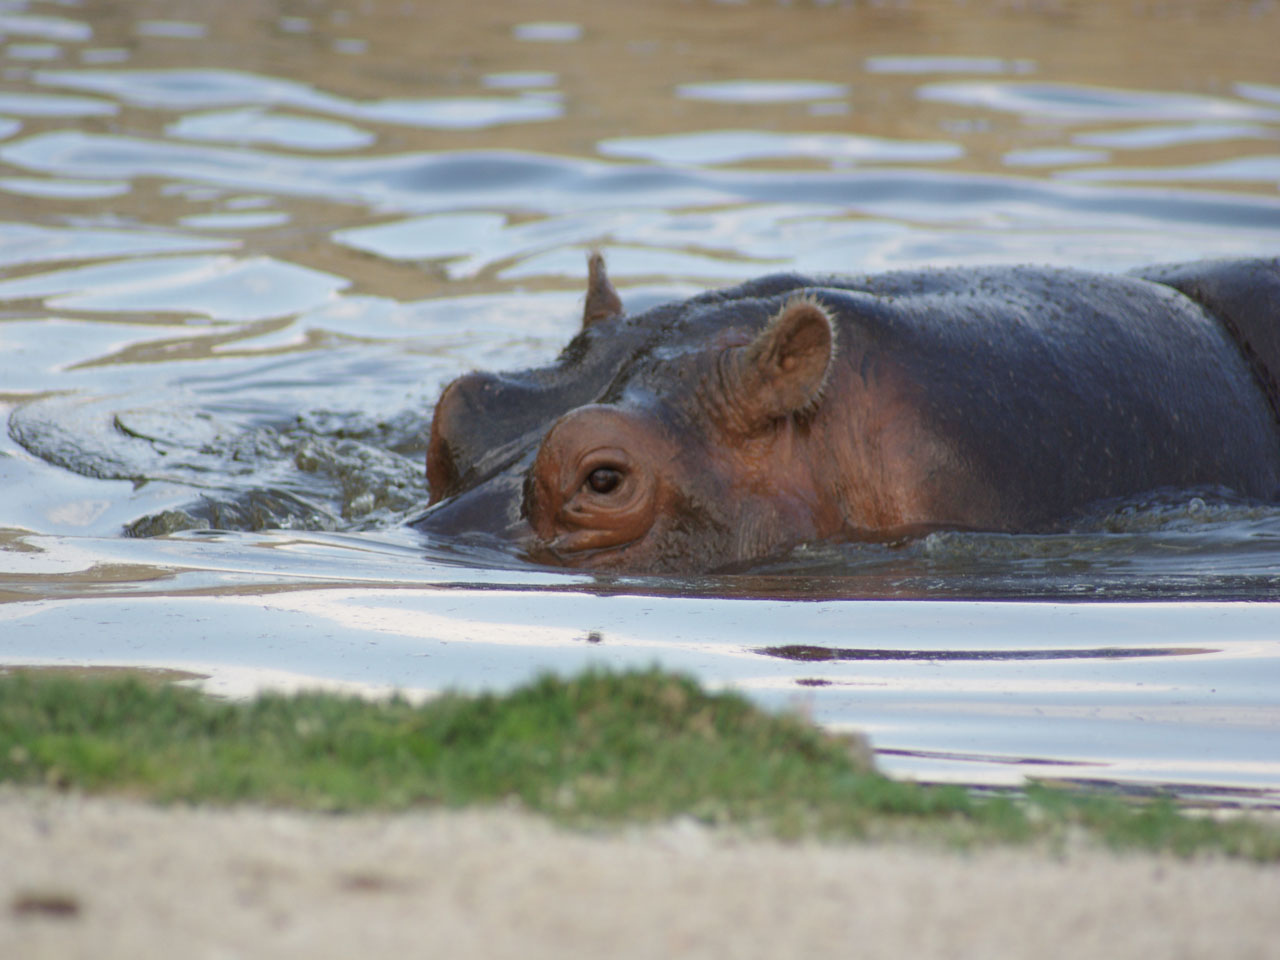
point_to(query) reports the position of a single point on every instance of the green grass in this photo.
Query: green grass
(597, 748)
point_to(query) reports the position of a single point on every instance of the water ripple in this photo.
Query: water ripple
(1077, 103)
(54, 105)
(509, 180)
(1174, 135)
(762, 91)
(67, 190)
(255, 125)
(23, 243)
(46, 28)
(946, 64)
(1264, 168)
(736, 146)
(204, 89)
(224, 288)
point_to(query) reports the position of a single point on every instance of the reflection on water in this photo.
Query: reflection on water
(547, 32)
(45, 27)
(1080, 104)
(280, 130)
(737, 146)
(762, 91)
(946, 64)
(241, 255)
(23, 243)
(53, 105)
(1264, 170)
(201, 89)
(1173, 135)
(224, 288)
(1053, 157)
(66, 190)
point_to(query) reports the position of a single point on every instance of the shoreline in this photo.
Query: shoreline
(104, 877)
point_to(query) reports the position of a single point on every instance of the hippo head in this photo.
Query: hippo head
(659, 442)
(696, 461)
(671, 441)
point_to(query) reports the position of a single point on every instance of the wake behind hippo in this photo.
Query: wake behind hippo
(742, 422)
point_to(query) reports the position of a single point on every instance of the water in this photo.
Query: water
(239, 257)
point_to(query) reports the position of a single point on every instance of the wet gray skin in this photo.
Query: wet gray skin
(1055, 388)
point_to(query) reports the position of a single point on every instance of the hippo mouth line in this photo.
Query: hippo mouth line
(540, 550)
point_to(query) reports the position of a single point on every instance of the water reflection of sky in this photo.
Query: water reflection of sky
(1173, 135)
(1072, 103)
(1126, 227)
(54, 105)
(946, 64)
(225, 288)
(24, 243)
(202, 89)
(256, 126)
(66, 190)
(737, 146)
(45, 27)
(762, 91)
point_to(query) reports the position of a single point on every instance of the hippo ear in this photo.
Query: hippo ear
(784, 369)
(603, 301)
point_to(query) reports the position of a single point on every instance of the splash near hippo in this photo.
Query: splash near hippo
(742, 422)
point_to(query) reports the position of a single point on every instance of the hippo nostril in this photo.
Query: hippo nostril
(460, 438)
(442, 462)
(442, 469)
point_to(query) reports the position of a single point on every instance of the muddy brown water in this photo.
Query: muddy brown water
(241, 252)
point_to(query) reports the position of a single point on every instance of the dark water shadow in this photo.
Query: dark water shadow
(803, 652)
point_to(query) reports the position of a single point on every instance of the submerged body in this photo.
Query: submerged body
(739, 423)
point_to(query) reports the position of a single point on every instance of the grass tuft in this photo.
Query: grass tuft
(596, 748)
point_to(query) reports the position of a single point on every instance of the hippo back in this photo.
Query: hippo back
(1055, 388)
(1245, 296)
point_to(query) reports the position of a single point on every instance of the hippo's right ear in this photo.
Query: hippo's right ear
(603, 301)
(782, 371)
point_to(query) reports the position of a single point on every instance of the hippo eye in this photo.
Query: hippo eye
(604, 479)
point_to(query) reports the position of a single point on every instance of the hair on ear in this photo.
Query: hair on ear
(784, 370)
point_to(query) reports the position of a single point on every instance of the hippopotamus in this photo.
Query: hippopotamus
(743, 422)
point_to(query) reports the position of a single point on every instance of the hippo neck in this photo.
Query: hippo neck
(1264, 373)
(1244, 297)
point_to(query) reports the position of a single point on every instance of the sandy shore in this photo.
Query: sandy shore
(107, 878)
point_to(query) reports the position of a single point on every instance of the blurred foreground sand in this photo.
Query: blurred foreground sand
(103, 878)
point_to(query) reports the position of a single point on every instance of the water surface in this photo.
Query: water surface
(240, 256)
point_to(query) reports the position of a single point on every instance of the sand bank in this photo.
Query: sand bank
(104, 878)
